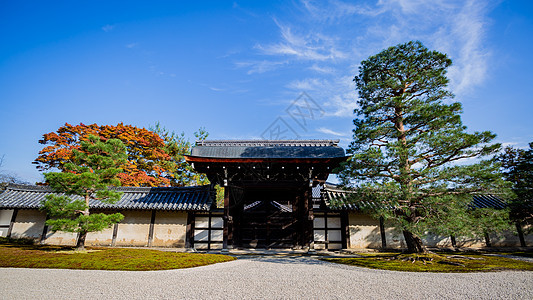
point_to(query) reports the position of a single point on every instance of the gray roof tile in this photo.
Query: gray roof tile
(332, 195)
(268, 149)
(197, 198)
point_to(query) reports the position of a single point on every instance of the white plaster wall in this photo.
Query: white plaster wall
(134, 229)
(100, 238)
(29, 224)
(170, 229)
(61, 238)
(5, 221)
(364, 231)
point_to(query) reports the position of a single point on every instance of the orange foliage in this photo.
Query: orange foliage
(148, 162)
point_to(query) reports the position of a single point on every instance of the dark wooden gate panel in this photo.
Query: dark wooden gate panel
(268, 221)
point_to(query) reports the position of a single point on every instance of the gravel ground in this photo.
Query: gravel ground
(267, 277)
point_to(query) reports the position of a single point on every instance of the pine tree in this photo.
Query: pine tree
(518, 170)
(87, 176)
(410, 145)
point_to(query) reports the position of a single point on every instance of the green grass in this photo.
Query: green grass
(32, 256)
(438, 262)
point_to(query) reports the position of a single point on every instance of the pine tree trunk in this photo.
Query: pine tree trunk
(414, 243)
(80, 244)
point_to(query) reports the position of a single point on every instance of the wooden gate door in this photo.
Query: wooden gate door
(268, 221)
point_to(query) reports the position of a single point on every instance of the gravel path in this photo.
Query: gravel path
(263, 278)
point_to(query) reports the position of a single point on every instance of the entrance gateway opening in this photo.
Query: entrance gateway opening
(268, 192)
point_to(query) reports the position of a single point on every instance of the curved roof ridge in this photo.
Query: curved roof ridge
(126, 189)
(229, 143)
(30, 196)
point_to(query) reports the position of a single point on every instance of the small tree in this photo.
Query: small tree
(409, 141)
(91, 170)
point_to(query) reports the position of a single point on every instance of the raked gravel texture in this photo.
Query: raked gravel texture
(265, 277)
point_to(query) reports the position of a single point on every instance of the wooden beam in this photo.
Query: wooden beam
(189, 232)
(151, 231)
(12, 222)
(196, 159)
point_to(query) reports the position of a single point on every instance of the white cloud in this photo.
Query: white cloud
(322, 69)
(260, 66)
(330, 132)
(453, 27)
(335, 95)
(308, 84)
(330, 37)
(132, 45)
(216, 89)
(311, 46)
(108, 27)
(471, 58)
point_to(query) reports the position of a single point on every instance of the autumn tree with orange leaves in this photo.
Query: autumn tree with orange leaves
(150, 162)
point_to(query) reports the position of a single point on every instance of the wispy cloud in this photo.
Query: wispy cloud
(132, 45)
(310, 46)
(471, 57)
(454, 27)
(322, 69)
(335, 94)
(331, 132)
(260, 66)
(330, 37)
(216, 89)
(108, 27)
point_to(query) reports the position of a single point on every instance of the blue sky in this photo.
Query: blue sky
(244, 69)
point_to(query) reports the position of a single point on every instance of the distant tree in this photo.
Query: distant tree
(518, 169)
(410, 145)
(6, 177)
(177, 146)
(87, 174)
(484, 221)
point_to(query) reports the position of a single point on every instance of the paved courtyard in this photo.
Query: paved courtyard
(266, 277)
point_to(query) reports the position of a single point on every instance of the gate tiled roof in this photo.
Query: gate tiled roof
(268, 149)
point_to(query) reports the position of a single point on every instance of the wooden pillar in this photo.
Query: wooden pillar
(189, 233)
(13, 219)
(520, 234)
(345, 224)
(237, 223)
(307, 218)
(151, 230)
(226, 218)
(382, 232)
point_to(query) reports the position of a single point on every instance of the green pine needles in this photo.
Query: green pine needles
(87, 176)
(410, 148)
